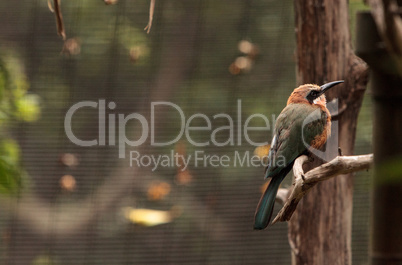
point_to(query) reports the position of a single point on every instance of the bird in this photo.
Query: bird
(304, 124)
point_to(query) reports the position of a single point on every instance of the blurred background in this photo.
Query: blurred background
(65, 204)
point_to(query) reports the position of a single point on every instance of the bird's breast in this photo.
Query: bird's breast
(321, 138)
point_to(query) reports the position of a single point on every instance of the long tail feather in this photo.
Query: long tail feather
(266, 205)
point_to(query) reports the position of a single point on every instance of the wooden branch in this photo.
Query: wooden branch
(303, 182)
(59, 17)
(151, 16)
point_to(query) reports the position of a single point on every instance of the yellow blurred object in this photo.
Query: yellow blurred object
(27, 107)
(262, 151)
(68, 183)
(158, 190)
(149, 217)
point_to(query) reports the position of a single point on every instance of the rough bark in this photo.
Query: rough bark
(320, 229)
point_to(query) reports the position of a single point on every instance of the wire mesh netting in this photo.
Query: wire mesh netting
(110, 200)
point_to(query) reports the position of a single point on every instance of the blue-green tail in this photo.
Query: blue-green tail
(266, 205)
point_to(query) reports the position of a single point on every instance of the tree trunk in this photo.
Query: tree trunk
(386, 84)
(320, 229)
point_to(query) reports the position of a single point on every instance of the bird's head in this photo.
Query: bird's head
(311, 94)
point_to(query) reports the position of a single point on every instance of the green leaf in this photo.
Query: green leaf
(28, 108)
(9, 177)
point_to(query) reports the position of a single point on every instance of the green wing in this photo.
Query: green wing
(295, 129)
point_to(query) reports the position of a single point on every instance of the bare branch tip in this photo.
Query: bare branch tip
(340, 151)
(151, 15)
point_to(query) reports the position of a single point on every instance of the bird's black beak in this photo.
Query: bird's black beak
(327, 86)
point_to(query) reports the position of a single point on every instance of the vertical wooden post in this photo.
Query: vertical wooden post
(386, 84)
(320, 229)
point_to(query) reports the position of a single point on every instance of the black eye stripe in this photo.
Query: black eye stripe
(312, 95)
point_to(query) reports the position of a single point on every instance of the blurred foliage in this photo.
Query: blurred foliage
(9, 166)
(16, 104)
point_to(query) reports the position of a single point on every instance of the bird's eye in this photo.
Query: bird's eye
(312, 95)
